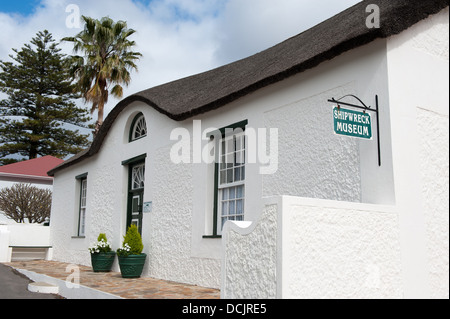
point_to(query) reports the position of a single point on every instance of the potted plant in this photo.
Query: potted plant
(102, 257)
(131, 258)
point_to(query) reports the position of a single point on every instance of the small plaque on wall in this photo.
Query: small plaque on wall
(147, 207)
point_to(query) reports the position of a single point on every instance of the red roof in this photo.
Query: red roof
(34, 167)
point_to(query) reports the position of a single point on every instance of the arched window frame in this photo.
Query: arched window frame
(139, 119)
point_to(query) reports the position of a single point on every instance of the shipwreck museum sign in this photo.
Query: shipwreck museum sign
(352, 123)
(356, 123)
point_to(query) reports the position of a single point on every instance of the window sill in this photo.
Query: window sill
(212, 236)
(78, 237)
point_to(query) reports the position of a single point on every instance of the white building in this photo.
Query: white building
(26, 241)
(317, 216)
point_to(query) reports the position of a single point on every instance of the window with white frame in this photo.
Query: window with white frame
(138, 128)
(229, 176)
(231, 187)
(82, 207)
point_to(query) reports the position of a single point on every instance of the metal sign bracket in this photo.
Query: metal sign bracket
(364, 107)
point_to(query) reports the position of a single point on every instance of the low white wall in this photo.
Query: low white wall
(29, 235)
(334, 249)
(249, 263)
(313, 248)
(4, 243)
(23, 235)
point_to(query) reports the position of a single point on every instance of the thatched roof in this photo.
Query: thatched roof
(197, 94)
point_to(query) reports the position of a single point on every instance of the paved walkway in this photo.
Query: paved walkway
(113, 283)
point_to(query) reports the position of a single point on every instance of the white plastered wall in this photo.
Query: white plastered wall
(313, 162)
(418, 66)
(313, 248)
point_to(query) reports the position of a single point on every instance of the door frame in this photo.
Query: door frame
(131, 193)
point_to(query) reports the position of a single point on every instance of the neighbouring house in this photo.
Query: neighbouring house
(283, 203)
(26, 241)
(33, 172)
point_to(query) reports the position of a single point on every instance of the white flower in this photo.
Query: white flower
(99, 246)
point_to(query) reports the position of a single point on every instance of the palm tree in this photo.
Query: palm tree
(107, 61)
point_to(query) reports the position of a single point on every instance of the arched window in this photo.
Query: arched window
(138, 128)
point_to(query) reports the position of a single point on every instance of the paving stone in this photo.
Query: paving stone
(113, 283)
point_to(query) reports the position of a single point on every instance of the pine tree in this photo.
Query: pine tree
(38, 116)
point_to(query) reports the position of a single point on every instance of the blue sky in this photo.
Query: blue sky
(24, 7)
(177, 38)
(27, 7)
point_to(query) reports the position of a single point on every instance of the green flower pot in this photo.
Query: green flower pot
(102, 262)
(132, 265)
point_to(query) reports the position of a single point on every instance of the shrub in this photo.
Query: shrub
(102, 236)
(132, 243)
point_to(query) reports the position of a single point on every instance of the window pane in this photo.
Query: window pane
(83, 193)
(225, 194)
(229, 159)
(138, 176)
(229, 145)
(139, 128)
(239, 208)
(222, 177)
(240, 192)
(229, 175)
(82, 222)
(238, 143)
(224, 208)
(135, 204)
(237, 174)
(239, 158)
(231, 210)
(232, 192)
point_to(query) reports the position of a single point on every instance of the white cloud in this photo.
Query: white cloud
(249, 26)
(178, 37)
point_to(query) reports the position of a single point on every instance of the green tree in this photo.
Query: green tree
(107, 61)
(34, 118)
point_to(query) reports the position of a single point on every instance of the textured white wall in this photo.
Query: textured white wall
(340, 250)
(170, 226)
(313, 248)
(418, 68)
(249, 265)
(313, 162)
(167, 230)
